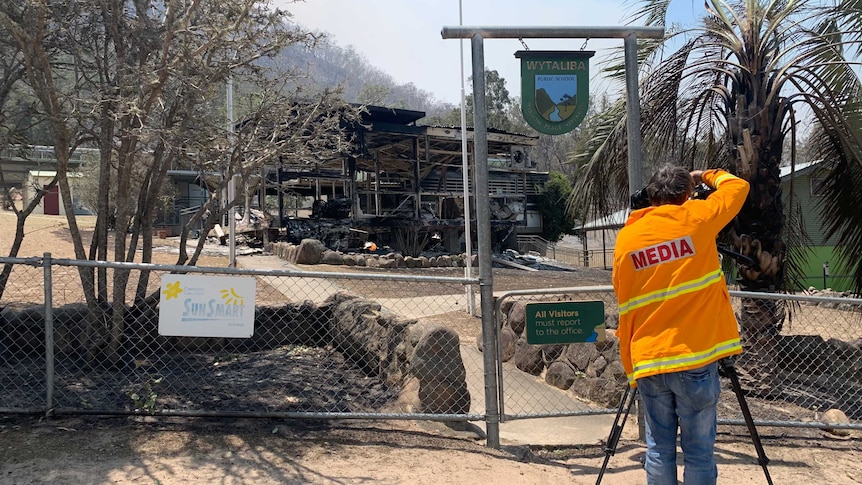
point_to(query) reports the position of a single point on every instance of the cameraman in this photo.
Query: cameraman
(675, 318)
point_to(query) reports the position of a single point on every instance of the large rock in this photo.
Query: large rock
(70, 328)
(560, 374)
(517, 316)
(615, 371)
(291, 253)
(443, 397)
(368, 336)
(7, 316)
(332, 257)
(528, 358)
(438, 355)
(508, 341)
(310, 251)
(611, 344)
(836, 416)
(596, 367)
(552, 352)
(506, 305)
(581, 354)
(275, 326)
(605, 392)
(436, 362)
(24, 331)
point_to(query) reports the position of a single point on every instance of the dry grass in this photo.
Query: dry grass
(51, 234)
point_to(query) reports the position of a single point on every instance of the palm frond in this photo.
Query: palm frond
(601, 182)
(726, 93)
(843, 188)
(848, 16)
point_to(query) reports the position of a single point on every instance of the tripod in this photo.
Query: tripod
(628, 399)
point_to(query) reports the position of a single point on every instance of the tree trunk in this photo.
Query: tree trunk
(758, 234)
(21, 218)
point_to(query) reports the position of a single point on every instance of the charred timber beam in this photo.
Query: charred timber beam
(455, 134)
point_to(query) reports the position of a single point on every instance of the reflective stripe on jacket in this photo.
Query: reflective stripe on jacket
(674, 307)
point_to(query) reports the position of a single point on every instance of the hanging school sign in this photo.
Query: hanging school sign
(555, 89)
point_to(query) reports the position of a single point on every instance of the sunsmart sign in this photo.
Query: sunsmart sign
(555, 89)
(207, 306)
(565, 322)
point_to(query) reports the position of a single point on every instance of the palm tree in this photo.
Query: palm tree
(733, 92)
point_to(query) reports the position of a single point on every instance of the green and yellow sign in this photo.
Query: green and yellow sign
(555, 89)
(565, 322)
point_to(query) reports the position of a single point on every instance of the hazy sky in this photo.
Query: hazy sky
(402, 37)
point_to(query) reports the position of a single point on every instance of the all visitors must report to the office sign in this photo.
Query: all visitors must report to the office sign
(565, 322)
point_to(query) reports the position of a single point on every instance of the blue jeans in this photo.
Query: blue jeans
(686, 399)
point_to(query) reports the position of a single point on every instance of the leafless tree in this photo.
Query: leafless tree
(144, 82)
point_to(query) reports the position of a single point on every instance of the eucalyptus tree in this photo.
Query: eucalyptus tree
(145, 81)
(499, 104)
(731, 92)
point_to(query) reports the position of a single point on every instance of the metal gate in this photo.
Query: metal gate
(814, 363)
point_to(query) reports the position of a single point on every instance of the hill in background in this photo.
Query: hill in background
(331, 65)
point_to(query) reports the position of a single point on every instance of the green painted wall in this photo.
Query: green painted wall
(813, 270)
(822, 250)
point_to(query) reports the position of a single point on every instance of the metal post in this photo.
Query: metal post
(231, 187)
(635, 156)
(483, 229)
(633, 115)
(49, 333)
(280, 192)
(604, 251)
(825, 273)
(550, 32)
(465, 179)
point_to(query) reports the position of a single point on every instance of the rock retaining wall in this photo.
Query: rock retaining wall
(400, 351)
(312, 251)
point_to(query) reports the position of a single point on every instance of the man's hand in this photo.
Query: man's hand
(696, 176)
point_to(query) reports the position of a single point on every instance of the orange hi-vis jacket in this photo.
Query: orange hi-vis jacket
(674, 307)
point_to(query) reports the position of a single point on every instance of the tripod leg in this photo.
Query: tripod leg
(617, 429)
(762, 459)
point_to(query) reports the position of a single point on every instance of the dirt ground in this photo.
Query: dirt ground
(119, 450)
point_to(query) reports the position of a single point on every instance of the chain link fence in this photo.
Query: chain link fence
(802, 364)
(323, 344)
(599, 255)
(333, 345)
(583, 373)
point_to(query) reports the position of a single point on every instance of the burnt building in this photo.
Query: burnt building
(403, 186)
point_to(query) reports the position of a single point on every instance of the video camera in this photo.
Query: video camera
(640, 199)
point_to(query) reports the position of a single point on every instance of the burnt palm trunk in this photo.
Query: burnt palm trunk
(758, 233)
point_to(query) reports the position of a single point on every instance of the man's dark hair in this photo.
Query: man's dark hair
(670, 185)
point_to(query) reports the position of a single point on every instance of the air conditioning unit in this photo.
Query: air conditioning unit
(521, 158)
